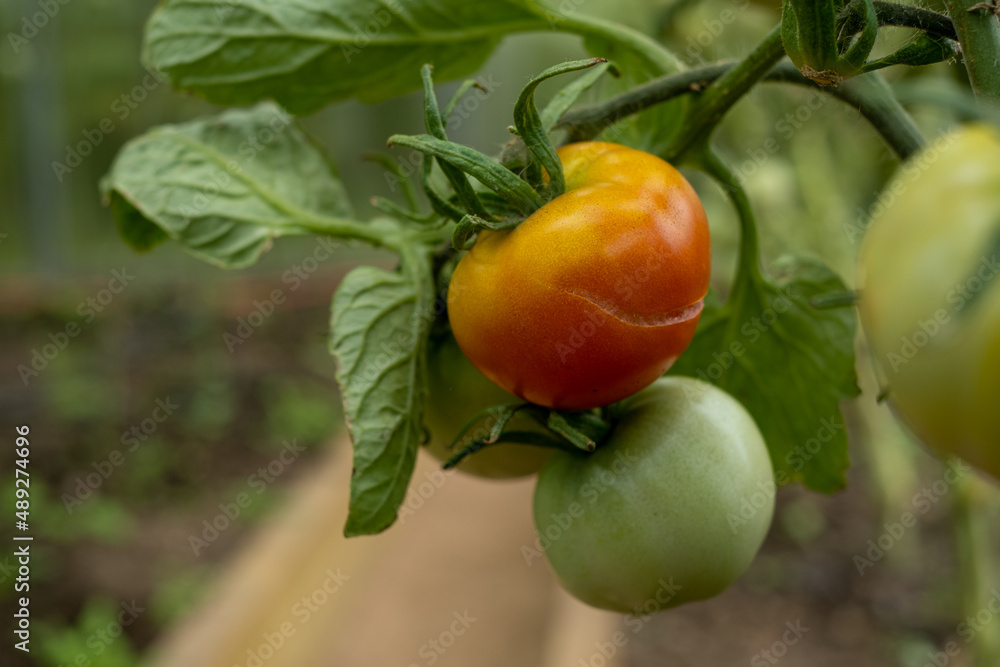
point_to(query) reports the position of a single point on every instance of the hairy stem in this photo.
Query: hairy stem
(903, 16)
(979, 33)
(871, 98)
(749, 266)
(587, 122)
(874, 99)
(719, 97)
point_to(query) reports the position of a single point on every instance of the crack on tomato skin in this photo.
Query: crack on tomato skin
(676, 316)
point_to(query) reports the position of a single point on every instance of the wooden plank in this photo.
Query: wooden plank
(448, 585)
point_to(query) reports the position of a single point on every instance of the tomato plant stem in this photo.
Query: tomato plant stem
(979, 33)
(652, 51)
(379, 235)
(726, 91)
(869, 95)
(904, 16)
(749, 266)
(953, 97)
(586, 122)
(872, 96)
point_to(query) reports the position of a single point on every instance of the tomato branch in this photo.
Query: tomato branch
(872, 97)
(902, 16)
(749, 266)
(719, 97)
(587, 122)
(978, 31)
(872, 100)
(955, 98)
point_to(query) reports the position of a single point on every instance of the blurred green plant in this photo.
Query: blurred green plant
(97, 637)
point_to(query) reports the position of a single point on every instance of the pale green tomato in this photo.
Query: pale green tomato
(930, 295)
(456, 392)
(672, 508)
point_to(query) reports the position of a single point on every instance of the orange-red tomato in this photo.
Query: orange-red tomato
(595, 294)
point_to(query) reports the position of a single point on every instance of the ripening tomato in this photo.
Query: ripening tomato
(595, 294)
(930, 294)
(671, 508)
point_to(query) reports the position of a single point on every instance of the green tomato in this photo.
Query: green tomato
(672, 508)
(457, 391)
(930, 294)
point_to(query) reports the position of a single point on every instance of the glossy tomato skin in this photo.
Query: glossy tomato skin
(672, 508)
(457, 391)
(595, 294)
(930, 295)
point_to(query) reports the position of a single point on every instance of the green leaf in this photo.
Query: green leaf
(651, 130)
(379, 339)
(136, 230)
(789, 363)
(309, 53)
(222, 187)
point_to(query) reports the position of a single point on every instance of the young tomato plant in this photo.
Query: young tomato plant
(573, 268)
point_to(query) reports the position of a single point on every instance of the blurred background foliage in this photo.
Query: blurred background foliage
(812, 168)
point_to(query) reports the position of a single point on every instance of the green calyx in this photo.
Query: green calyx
(508, 190)
(830, 40)
(573, 431)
